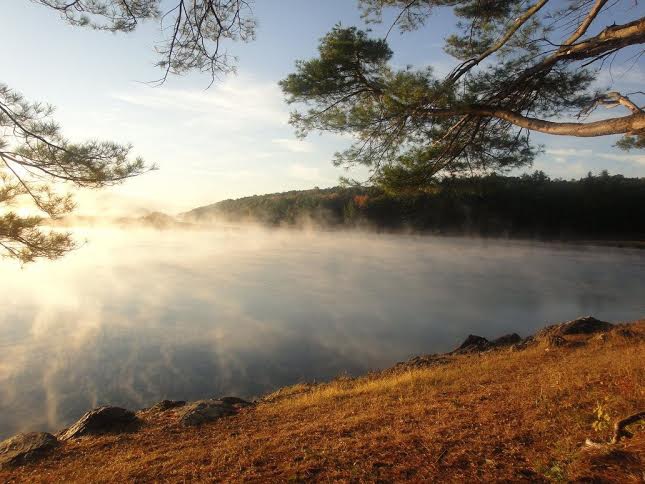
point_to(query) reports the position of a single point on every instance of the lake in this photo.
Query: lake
(136, 315)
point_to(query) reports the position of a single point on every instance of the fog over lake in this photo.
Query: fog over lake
(135, 315)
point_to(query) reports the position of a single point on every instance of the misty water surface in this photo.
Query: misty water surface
(136, 316)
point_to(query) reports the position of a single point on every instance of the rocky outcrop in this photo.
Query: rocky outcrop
(202, 411)
(25, 448)
(102, 420)
(507, 340)
(477, 344)
(586, 325)
(554, 335)
(559, 335)
(473, 344)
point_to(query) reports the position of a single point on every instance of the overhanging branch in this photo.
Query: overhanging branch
(632, 124)
(611, 38)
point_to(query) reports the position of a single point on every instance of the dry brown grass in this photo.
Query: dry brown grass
(504, 415)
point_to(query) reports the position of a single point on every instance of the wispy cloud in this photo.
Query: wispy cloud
(564, 152)
(631, 158)
(234, 100)
(294, 144)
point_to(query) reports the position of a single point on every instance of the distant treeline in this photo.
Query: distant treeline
(602, 206)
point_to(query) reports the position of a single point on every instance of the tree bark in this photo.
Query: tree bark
(612, 38)
(633, 124)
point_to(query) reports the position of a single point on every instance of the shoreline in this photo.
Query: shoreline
(194, 418)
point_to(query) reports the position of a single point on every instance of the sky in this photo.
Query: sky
(232, 139)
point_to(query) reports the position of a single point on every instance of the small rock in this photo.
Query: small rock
(555, 335)
(472, 344)
(586, 325)
(507, 340)
(477, 344)
(102, 420)
(24, 448)
(202, 411)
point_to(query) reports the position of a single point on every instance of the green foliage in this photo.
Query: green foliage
(602, 419)
(529, 206)
(555, 472)
(106, 15)
(519, 64)
(33, 155)
(23, 239)
(630, 142)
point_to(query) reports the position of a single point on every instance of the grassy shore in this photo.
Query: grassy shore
(508, 414)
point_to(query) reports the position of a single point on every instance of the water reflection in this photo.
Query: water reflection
(137, 316)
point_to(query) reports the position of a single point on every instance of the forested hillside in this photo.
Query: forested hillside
(602, 206)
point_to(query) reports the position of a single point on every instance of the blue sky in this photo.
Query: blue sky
(233, 139)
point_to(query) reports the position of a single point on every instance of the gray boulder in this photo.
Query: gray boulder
(25, 448)
(478, 344)
(202, 411)
(586, 325)
(473, 344)
(102, 420)
(507, 340)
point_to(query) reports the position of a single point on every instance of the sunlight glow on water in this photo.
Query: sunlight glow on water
(136, 316)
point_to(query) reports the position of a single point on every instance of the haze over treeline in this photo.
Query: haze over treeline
(534, 205)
